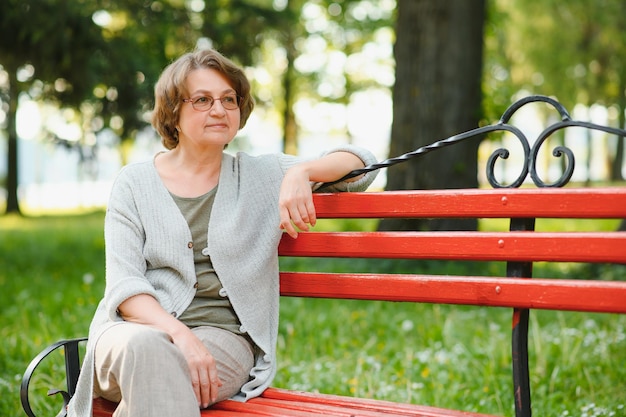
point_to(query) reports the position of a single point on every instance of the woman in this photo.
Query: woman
(190, 311)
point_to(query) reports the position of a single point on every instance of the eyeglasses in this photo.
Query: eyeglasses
(204, 103)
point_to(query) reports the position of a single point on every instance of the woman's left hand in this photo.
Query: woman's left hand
(295, 201)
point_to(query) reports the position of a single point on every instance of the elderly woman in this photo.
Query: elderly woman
(190, 311)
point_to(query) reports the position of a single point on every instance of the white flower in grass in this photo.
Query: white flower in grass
(88, 278)
(407, 325)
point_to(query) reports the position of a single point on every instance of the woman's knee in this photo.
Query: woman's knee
(132, 342)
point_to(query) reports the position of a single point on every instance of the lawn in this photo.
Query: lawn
(51, 276)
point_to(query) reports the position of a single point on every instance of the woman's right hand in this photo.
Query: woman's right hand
(202, 367)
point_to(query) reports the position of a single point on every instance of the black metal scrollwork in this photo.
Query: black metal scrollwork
(72, 369)
(503, 125)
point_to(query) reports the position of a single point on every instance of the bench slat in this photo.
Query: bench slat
(322, 408)
(103, 408)
(535, 293)
(483, 246)
(268, 407)
(504, 203)
(385, 407)
(279, 402)
(260, 408)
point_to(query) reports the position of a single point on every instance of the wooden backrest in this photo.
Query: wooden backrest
(508, 246)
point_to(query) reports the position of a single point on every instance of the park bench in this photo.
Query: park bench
(518, 248)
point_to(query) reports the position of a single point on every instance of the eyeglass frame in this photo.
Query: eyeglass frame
(212, 101)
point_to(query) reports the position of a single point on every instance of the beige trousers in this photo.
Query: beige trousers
(139, 367)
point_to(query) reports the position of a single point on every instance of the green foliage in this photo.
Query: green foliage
(110, 53)
(51, 277)
(572, 50)
(56, 39)
(102, 58)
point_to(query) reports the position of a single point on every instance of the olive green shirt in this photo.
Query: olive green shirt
(210, 306)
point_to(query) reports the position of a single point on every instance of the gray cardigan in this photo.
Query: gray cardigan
(147, 252)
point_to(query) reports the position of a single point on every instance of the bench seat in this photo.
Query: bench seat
(287, 403)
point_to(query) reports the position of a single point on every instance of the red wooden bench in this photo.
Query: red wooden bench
(519, 247)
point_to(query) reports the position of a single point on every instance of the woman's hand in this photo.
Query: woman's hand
(295, 202)
(202, 368)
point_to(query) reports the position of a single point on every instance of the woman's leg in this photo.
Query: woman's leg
(139, 367)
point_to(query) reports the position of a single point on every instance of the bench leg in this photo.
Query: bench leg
(519, 336)
(521, 377)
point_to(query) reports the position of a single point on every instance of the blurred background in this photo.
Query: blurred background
(77, 77)
(76, 91)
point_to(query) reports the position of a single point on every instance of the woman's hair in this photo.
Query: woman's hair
(171, 89)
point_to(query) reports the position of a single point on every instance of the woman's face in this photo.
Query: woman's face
(215, 126)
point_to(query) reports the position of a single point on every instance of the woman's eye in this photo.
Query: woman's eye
(203, 99)
(229, 99)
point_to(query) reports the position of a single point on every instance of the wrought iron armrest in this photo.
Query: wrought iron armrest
(531, 150)
(72, 369)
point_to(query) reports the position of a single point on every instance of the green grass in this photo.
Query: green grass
(51, 276)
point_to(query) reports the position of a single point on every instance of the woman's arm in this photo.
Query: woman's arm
(296, 201)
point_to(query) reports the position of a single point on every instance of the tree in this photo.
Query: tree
(53, 51)
(256, 32)
(141, 39)
(79, 55)
(580, 58)
(240, 28)
(437, 94)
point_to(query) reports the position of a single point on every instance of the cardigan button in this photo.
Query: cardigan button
(222, 292)
(243, 329)
(190, 245)
(195, 285)
(174, 314)
(205, 252)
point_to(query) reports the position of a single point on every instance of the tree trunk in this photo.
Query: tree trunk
(290, 129)
(618, 161)
(13, 205)
(437, 94)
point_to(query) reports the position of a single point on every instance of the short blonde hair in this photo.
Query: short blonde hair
(171, 88)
